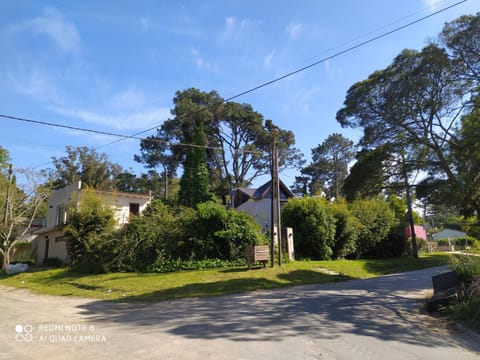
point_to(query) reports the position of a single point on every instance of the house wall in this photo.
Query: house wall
(56, 246)
(260, 210)
(120, 202)
(60, 198)
(420, 232)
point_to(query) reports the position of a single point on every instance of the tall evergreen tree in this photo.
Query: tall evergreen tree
(194, 181)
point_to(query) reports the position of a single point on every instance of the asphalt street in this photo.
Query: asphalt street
(377, 318)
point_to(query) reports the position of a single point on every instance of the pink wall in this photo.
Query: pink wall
(419, 232)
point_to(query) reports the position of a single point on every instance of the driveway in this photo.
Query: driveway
(361, 319)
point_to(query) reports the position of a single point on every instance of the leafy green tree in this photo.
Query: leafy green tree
(88, 233)
(346, 230)
(223, 234)
(329, 164)
(376, 222)
(85, 164)
(194, 182)
(370, 174)
(313, 225)
(147, 239)
(461, 38)
(237, 140)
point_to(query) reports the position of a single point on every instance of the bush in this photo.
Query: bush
(468, 306)
(223, 234)
(467, 267)
(145, 239)
(164, 233)
(466, 241)
(346, 228)
(88, 233)
(23, 252)
(377, 220)
(444, 242)
(313, 225)
(169, 265)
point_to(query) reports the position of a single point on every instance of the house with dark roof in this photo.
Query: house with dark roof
(257, 202)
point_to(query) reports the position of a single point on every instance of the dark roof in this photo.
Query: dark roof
(242, 195)
(264, 190)
(249, 192)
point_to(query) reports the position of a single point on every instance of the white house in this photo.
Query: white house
(257, 202)
(50, 242)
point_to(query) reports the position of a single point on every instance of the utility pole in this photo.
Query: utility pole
(277, 206)
(410, 219)
(7, 199)
(272, 202)
(275, 202)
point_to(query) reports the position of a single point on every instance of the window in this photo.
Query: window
(61, 215)
(134, 209)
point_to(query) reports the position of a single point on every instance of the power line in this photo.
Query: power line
(351, 48)
(122, 137)
(343, 52)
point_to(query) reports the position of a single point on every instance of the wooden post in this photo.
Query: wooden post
(272, 205)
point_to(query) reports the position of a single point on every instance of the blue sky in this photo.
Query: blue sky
(115, 65)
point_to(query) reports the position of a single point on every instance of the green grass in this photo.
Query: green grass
(131, 287)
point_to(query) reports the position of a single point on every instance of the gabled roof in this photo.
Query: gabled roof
(242, 195)
(448, 234)
(264, 190)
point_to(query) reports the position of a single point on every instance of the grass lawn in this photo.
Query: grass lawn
(131, 287)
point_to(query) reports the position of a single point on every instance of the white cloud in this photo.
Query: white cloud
(34, 82)
(432, 4)
(145, 24)
(235, 28)
(294, 30)
(267, 60)
(130, 98)
(201, 63)
(230, 24)
(331, 70)
(61, 32)
(127, 122)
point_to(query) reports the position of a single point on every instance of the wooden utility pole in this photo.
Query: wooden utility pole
(272, 203)
(410, 219)
(7, 199)
(277, 206)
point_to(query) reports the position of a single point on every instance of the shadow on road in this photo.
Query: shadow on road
(373, 307)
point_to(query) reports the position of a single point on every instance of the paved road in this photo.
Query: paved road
(362, 319)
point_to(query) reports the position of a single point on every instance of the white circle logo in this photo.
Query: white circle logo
(23, 333)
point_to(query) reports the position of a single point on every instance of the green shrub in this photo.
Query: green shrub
(346, 230)
(24, 252)
(163, 233)
(88, 233)
(467, 308)
(466, 241)
(314, 227)
(377, 220)
(169, 265)
(444, 242)
(466, 266)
